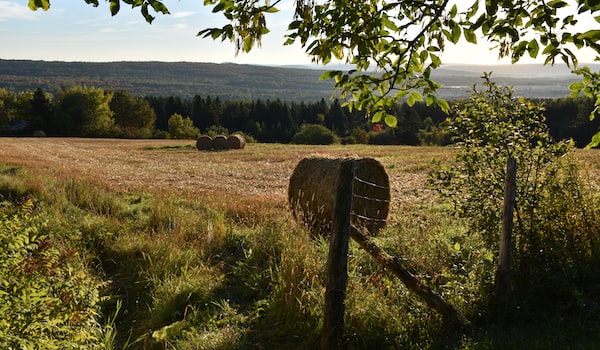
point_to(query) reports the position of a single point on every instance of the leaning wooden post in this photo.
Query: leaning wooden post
(337, 260)
(502, 281)
(449, 314)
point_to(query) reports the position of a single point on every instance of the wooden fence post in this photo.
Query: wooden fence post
(502, 280)
(337, 260)
(449, 314)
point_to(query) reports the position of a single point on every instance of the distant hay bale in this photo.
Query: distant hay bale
(220, 142)
(236, 141)
(204, 143)
(311, 193)
(39, 133)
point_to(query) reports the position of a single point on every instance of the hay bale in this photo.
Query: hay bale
(236, 141)
(220, 142)
(311, 193)
(204, 143)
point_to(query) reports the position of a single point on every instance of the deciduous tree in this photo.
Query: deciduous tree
(84, 111)
(133, 115)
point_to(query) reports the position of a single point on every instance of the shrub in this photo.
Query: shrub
(182, 128)
(383, 137)
(357, 136)
(553, 239)
(47, 298)
(432, 135)
(315, 134)
(216, 130)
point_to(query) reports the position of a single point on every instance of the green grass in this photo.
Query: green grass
(190, 274)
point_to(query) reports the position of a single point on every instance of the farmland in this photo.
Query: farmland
(259, 172)
(201, 250)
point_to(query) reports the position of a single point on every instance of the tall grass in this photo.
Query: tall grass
(203, 273)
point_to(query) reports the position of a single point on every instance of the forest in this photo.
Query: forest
(82, 111)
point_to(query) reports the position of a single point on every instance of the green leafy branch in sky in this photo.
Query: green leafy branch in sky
(115, 6)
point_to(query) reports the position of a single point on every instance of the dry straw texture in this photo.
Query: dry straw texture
(220, 142)
(311, 193)
(204, 143)
(236, 141)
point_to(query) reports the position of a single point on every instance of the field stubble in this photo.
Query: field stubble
(258, 173)
(251, 180)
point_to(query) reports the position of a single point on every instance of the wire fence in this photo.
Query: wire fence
(367, 198)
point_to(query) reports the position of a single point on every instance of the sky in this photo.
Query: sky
(74, 31)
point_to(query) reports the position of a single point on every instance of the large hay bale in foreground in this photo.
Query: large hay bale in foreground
(220, 142)
(311, 193)
(204, 143)
(236, 141)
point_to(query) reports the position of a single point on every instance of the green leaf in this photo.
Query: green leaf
(595, 141)
(557, 4)
(455, 32)
(429, 100)
(457, 246)
(576, 86)
(533, 48)
(414, 97)
(391, 120)
(590, 34)
(330, 74)
(470, 36)
(377, 117)
(114, 7)
(159, 7)
(453, 11)
(435, 60)
(248, 43)
(36, 4)
(271, 9)
(444, 106)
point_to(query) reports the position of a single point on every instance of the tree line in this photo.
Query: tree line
(93, 112)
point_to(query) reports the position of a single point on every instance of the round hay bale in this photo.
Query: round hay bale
(204, 143)
(236, 141)
(311, 194)
(220, 142)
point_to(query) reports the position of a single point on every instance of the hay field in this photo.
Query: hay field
(259, 172)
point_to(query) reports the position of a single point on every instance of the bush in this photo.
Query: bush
(383, 137)
(182, 128)
(315, 134)
(553, 240)
(358, 136)
(47, 298)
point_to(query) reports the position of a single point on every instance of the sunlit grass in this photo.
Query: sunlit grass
(212, 269)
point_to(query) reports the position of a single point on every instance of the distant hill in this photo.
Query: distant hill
(251, 82)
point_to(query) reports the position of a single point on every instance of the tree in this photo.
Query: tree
(554, 235)
(40, 114)
(8, 106)
(133, 115)
(83, 111)
(395, 46)
(182, 128)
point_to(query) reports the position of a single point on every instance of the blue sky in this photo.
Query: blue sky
(74, 31)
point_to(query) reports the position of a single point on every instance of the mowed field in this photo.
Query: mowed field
(259, 172)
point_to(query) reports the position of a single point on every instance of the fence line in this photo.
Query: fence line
(356, 178)
(371, 199)
(366, 218)
(378, 200)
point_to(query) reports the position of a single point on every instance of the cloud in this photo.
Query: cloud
(183, 14)
(12, 10)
